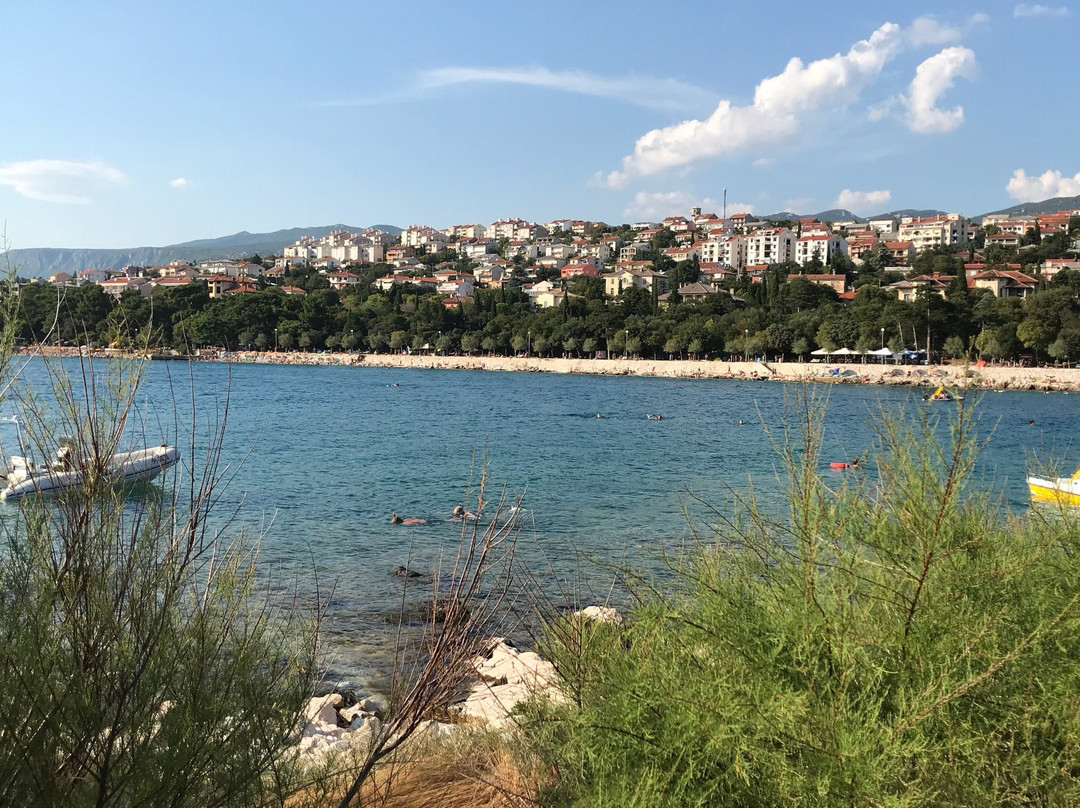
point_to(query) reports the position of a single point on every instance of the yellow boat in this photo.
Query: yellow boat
(1063, 490)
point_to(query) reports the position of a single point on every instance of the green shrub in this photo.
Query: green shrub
(897, 642)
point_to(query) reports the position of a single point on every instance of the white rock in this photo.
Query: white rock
(601, 614)
(323, 709)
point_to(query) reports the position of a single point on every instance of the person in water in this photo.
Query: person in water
(459, 512)
(395, 519)
(855, 463)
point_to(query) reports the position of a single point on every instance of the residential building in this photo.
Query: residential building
(616, 282)
(1004, 283)
(770, 245)
(117, 286)
(578, 269)
(1052, 266)
(838, 283)
(339, 279)
(901, 253)
(934, 231)
(824, 246)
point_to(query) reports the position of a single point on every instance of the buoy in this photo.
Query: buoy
(838, 465)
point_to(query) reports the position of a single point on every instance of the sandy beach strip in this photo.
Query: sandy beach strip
(954, 376)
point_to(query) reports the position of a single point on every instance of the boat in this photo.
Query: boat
(941, 394)
(1062, 491)
(65, 471)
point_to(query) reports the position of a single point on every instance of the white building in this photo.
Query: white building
(770, 245)
(933, 231)
(822, 246)
(728, 251)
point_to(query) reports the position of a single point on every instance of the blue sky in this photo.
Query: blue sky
(127, 124)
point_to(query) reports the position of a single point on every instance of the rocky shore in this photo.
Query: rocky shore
(963, 376)
(990, 377)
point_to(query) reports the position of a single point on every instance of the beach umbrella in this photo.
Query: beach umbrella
(845, 352)
(820, 352)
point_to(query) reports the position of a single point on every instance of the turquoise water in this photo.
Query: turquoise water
(320, 456)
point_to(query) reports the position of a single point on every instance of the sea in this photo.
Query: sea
(317, 458)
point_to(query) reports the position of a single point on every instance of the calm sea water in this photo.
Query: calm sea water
(322, 455)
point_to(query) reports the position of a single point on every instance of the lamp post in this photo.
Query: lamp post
(528, 343)
(626, 344)
(883, 345)
(746, 345)
(275, 341)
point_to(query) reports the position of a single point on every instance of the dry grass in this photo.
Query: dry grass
(471, 775)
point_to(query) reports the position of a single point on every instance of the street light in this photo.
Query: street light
(626, 344)
(275, 341)
(528, 343)
(746, 345)
(883, 345)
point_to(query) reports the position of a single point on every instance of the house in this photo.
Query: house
(684, 253)
(632, 251)
(901, 253)
(117, 286)
(62, 279)
(1052, 266)
(884, 226)
(838, 283)
(397, 252)
(1006, 240)
(93, 276)
(716, 274)
(550, 299)
(908, 290)
(1004, 282)
(339, 279)
(218, 285)
(689, 292)
(170, 282)
(621, 279)
(293, 290)
(578, 269)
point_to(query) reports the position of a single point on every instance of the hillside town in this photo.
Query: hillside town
(723, 248)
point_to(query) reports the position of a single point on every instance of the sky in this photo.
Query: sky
(126, 124)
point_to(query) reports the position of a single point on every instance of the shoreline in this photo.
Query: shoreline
(989, 377)
(958, 376)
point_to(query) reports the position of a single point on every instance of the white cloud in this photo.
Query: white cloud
(665, 94)
(1039, 10)
(179, 182)
(933, 78)
(65, 181)
(652, 206)
(1048, 184)
(863, 201)
(764, 162)
(779, 102)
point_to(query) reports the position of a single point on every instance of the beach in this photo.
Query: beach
(958, 375)
(961, 376)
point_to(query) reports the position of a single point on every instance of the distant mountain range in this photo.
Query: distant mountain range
(844, 215)
(41, 262)
(1031, 208)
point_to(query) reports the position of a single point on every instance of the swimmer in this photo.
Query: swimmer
(855, 463)
(597, 415)
(459, 512)
(395, 519)
(1031, 422)
(740, 422)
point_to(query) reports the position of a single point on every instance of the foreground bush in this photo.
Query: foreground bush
(898, 642)
(140, 662)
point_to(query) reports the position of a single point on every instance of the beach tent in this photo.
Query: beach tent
(820, 352)
(884, 353)
(846, 352)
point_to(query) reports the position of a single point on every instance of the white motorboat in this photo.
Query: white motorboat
(65, 471)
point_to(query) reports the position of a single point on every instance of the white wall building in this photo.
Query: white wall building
(770, 245)
(820, 246)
